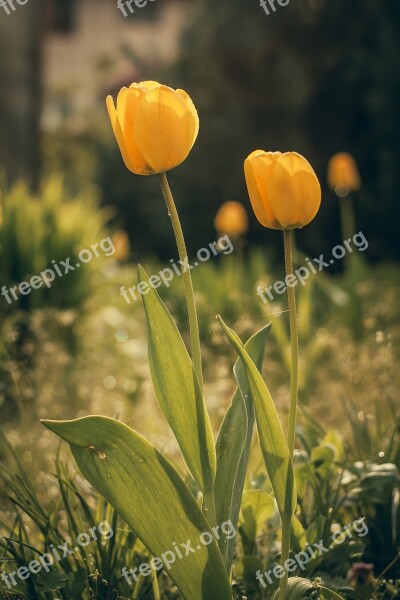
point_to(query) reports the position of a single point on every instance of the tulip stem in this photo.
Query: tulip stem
(187, 278)
(294, 340)
(348, 223)
(294, 374)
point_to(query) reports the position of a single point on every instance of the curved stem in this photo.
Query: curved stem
(294, 375)
(187, 279)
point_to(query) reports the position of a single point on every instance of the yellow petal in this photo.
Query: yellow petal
(193, 110)
(149, 85)
(118, 133)
(164, 128)
(258, 169)
(294, 192)
(128, 103)
(343, 172)
(232, 219)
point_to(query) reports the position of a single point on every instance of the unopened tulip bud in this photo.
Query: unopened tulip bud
(284, 190)
(155, 126)
(343, 174)
(232, 219)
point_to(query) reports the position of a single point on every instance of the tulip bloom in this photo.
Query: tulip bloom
(343, 174)
(232, 219)
(155, 126)
(284, 190)
(120, 240)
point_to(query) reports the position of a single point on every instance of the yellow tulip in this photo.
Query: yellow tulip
(120, 240)
(284, 190)
(343, 174)
(232, 219)
(155, 126)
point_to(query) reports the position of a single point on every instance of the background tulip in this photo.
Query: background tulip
(155, 126)
(232, 219)
(343, 178)
(343, 174)
(120, 240)
(284, 190)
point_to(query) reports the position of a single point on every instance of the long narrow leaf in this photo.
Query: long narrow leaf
(151, 497)
(177, 389)
(272, 439)
(233, 445)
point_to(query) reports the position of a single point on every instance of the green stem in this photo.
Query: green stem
(348, 221)
(294, 341)
(156, 589)
(294, 375)
(284, 556)
(187, 279)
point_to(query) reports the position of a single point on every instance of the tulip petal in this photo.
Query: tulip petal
(294, 191)
(128, 102)
(258, 168)
(193, 110)
(118, 133)
(164, 128)
(343, 172)
(149, 85)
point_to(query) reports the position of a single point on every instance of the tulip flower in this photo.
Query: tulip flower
(155, 126)
(285, 194)
(284, 190)
(232, 219)
(343, 174)
(121, 244)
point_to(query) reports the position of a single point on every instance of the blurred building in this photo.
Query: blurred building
(60, 57)
(91, 45)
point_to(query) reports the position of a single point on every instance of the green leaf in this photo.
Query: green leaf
(315, 531)
(151, 497)
(246, 567)
(257, 507)
(297, 588)
(177, 389)
(330, 594)
(298, 538)
(272, 439)
(321, 459)
(335, 439)
(233, 444)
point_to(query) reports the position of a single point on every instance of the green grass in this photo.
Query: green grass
(62, 364)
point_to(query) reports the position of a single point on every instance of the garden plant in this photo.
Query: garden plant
(205, 531)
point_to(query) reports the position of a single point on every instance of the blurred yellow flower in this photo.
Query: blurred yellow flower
(343, 174)
(155, 126)
(232, 219)
(120, 240)
(284, 190)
